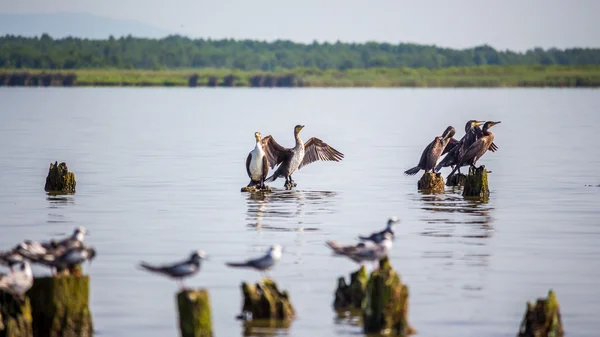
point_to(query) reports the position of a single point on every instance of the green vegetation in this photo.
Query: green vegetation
(181, 52)
(481, 76)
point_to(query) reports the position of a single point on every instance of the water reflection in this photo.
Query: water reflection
(57, 202)
(266, 210)
(261, 328)
(461, 228)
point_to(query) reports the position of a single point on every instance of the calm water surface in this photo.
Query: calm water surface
(159, 173)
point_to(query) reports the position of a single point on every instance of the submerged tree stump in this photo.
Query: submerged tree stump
(542, 319)
(351, 296)
(15, 317)
(264, 301)
(60, 306)
(194, 313)
(59, 179)
(457, 179)
(476, 184)
(433, 182)
(386, 302)
(254, 189)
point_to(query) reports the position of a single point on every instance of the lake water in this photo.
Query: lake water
(159, 173)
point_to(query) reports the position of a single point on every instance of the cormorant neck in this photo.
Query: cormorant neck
(298, 140)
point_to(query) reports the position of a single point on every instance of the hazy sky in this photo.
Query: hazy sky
(513, 24)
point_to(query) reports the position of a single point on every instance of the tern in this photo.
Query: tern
(364, 252)
(179, 270)
(377, 237)
(17, 282)
(263, 263)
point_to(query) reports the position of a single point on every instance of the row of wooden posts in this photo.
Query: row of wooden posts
(59, 305)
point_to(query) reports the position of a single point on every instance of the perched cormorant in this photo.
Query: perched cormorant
(257, 164)
(472, 133)
(295, 158)
(432, 152)
(477, 149)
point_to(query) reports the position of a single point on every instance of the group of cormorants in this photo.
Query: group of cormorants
(268, 153)
(464, 152)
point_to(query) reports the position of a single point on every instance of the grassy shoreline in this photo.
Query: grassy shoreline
(480, 76)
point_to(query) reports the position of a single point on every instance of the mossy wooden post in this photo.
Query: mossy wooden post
(264, 301)
(195, 318)
(59, 179)
(476, 184)
(386, 302)
(60, 306)
(351, 296)
(432, 182)
(254, 189)
(542, 319)
(15, 317)
(457, 179)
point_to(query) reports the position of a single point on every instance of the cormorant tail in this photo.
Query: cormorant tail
(412, 171)
(271, 178)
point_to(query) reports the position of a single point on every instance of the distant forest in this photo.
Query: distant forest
(180, 52)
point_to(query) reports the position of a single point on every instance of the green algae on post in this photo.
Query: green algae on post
(351, 296)
(386, 302)
(265, 301)
(476, 184)
(194, 313)
(542, 319)
(60, 306)
(431, 182)
(59, 179)
(15, 317)
(254, 189)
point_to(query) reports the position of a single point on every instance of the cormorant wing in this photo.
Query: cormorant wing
(476, 149)
(248, 163)
(275, 152)
(451, 145)
(316, 149)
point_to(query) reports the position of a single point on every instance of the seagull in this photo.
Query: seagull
(11, 258)
(377, 237)
(18, 282)
(75, 240)
(363, 252)
(263, 263)
(181, 269)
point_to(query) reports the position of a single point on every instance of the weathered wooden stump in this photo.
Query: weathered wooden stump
(59, 179)
(60, 306)
(476, 184)
(15, 317)
(351, 296)
(386, 302)
(264, 301)
(255, 189)
(542, 319)
(457, 179)
(194, 313)
(432, 182)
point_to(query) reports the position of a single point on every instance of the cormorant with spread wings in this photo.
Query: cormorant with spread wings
(290, 160)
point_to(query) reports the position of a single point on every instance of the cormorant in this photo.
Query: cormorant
(295, 158)
(472, 133)
(432, 152)
(477, 149)
(257, 164)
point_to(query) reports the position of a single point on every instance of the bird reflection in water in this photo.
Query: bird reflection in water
(260, 328)
(266, 209)
(461, 229)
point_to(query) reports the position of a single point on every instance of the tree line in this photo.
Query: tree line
(175, 51)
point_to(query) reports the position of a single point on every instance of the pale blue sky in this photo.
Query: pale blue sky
(513, 24)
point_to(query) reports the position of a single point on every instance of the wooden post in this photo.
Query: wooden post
(15, 317)
(386, 303)
(351, 296)
(265, 301)
(432, 182)
(476, 184)
(194, 313)
(60, 306)
(59, 179)
(457, 179)
(542, 319)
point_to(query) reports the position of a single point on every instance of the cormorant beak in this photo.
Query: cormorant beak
(494, 123)
(301, 127)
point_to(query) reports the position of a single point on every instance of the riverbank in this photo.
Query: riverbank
(480, 76)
